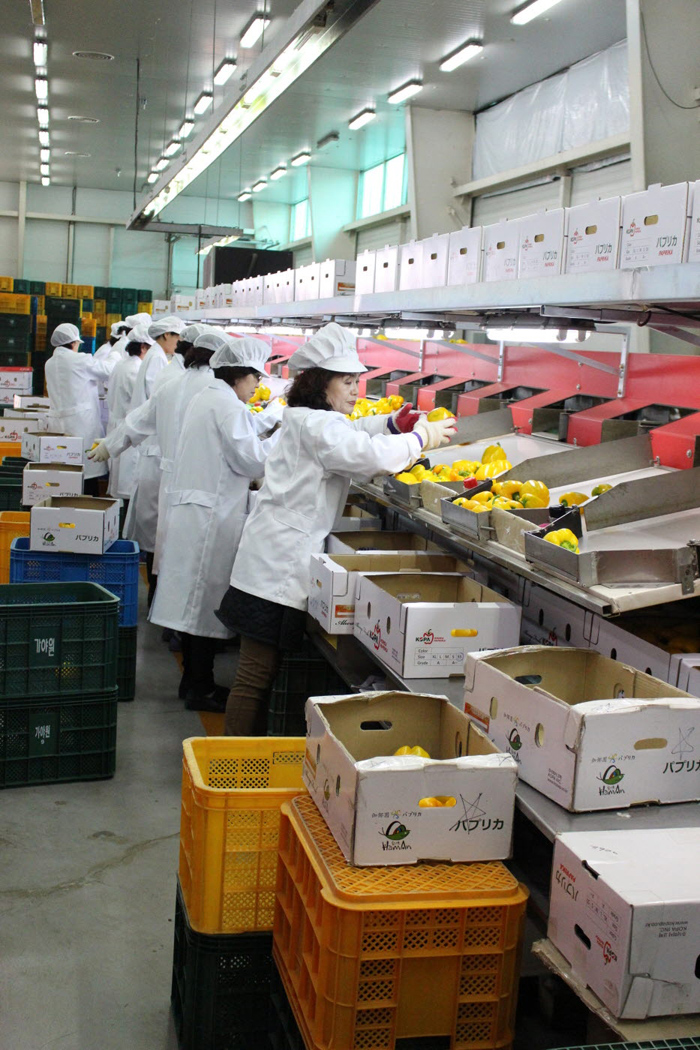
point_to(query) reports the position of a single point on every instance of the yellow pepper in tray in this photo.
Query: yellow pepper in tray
(573, 499)
(564, 538)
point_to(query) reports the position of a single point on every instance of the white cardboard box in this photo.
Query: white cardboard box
(541, 251)
(13, 429)
(500, 251)
(354, 542)
(588, 732)
(625, 913)
(337, 277)
(370, 799)
(549, 619)
(436, 253)
(15, 381)
(655, 226)
(82, 524)
(411, 266)
(694, 231)
(40, 480)
(353, 518)
(286, 293)
(255, 292)
(387, 270)
(270, 289)
(306, 282)
(53, 448)
(422, 625)
(334, 578)
(364, 272)
(593, 236)
(464, 256)
(30, 401)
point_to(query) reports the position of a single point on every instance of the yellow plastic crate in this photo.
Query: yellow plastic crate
(113, 318)
(69, 291)
(53, 288)
(144, 308)
(88, 327)
(14, 304)
(7, 284)
(232, 790)
(371, 955)
(13, 523)
(86, 291)
(41, 304)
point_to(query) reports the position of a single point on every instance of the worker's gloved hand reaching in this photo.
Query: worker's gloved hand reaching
(435, 434)
(403, 421)
(99, 452)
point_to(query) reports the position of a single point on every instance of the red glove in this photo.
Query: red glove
(403, 421)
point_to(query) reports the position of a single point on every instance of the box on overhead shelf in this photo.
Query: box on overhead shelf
(31, 401)
(74, 523)
(387, 270)
(625, 913)
(541, 250)
(337, 277)
(371, 799)
(588, 732)
(353, 542)
(499, 261)
(334, 577)
(593, 236)
(364, 272)
(286, 293)
(411, 266)
(306, 282)
(422, 625)
(464, 256)
(655, 226)
(436, 250)
(40, 480)
(48, 447)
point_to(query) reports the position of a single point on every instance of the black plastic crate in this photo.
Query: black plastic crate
(113, 306)
(37, 287)
(51, 740)
(220, 995)
(10, 499)
(126, 663)
(99, 292)
(145, 295)
(15, 323)
(64, 309)
(14, 359)
(16, 342)
(22, 287)
(301, 675)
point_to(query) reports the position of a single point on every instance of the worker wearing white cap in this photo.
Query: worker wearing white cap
(114, 345)
(218, 454)
(307, 478)
(122, 470)
(71, 381)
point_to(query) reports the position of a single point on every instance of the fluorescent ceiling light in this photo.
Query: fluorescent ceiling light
(203, 103)
(327, 140)
(407, 91)
(45, 155)
(224, 72)
(279, 173)
(259, 185)
(173, 148)
(44, 138)
(535, 335)
(532, 10)
(44, 169)
(461, 55)
(361, 119)
(153, 177)
(41, 51)
(186, 129)
(301, 158)
(254, 31)
(160, 164)
(41, 86)
(42, 116)
(245, 196)
(45, 180)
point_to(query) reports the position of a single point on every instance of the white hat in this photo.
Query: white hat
(242, 353)
(137, 319)
(192, 332)
(164, 325)
(212, 339)
(65, 334)
(332, 348)
(114, 331)
(139, 334)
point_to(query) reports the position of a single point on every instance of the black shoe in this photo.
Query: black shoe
(215, 701)
(175, 645)
(167, 634)
(183, 688)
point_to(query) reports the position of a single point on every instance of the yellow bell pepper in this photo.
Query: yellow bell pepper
(441, 468)
(536, 488)
(492, 452)
(440, 413)
(419, 471)
(478, 508)
(573, 499)
(407, 478)
(483, 497)
(466, 466)
(564, 538)
(532, 502)
(511, 489)
(600, 489)
(503, 503)
(396, 401)
(492, 469)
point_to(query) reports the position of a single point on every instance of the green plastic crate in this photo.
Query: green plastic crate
(57, 639)
(51, 740)
(301, 675)
(88, 306)
(22, 287)
(37, 287)
(10, 496)
(16, 342)
(15, 323)
(100, 292)
(145, 295)
(126, 663)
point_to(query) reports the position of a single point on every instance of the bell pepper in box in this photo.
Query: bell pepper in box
(536, 489)
(564, 538)
(573, 499)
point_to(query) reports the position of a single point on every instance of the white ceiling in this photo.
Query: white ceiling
(179, 48)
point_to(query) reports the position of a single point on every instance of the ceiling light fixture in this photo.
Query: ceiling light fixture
(278, 173)
(84, 120)
(224, 71)
(42, 114)
(43, 138)
(259, 185)
(41, 86)
(203, 103)
(361, 119)
(160, 164)
(405, 91)
(45, 155)
(44, 169)
(327, 140)
(153, 177)
(45, 180)
(37, 9)
(469, 50)
(186, 129)
(41, 51)
(254, 30)
(94, 56)
(174, 147)
(301, 158)
(74, 153)
(245, 196)
(532, 10)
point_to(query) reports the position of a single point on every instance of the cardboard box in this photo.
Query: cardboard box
(411, 266)
(387, 270)
(549, 619)
(13, 429)
(51, 447)
(436, 252)
(370, 799)
(334, 578)
(500, 251)
(30, 401)
(364, 272)
(81, 524)
(655, 226)
(337, 277)
(40, 480)
(422, 625)
(286, 292)
(354, 542)
(694, 230)
(593, 236)
(15, 381)
(625, 913)
(588, 732)
(306, 282)
(541, 250)
(464, 256)
(355, 518)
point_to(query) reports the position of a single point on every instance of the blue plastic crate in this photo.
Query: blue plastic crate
(88, 344)
(117, 571)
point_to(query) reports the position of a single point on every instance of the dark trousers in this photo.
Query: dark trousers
(198, 663)
(152, 577)
(249, 699)
(91, 487)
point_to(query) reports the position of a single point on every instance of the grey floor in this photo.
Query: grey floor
(87, 884)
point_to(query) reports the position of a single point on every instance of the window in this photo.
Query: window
(299, 225)
(382, 187)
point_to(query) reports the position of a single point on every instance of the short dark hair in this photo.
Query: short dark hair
(183, 346)
(134, 348)
(197, 357)
(230, 373)
(309, 389)
(113, 339)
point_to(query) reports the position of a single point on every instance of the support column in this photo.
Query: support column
(21, 225)
(332, 200)
(439, 145)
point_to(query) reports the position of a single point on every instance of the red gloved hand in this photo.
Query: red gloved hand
(403, 421)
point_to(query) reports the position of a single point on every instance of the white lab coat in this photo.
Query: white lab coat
(142, 516)
(217, 455)
(307, 479)
(122, 470)
(104, 351)
(71, 381)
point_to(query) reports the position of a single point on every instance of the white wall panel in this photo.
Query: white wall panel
(8, 247)
(515, 204)
(184, 272)
(140, 261)
(45, 250)
(607, 181)
(373, 237)
(9, 196)
(303, 256)
(90, 254)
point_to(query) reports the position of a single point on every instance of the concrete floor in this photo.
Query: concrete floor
(87, 884)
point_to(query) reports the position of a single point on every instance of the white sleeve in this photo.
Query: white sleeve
(138, 425)
(371, 424)
(102, 367)
(155, 367)
(350, 451)
(244, 451)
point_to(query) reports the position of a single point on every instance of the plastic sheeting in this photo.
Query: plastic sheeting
(588, 102)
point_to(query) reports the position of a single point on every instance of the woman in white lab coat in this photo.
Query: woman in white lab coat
(71, 381)
(307, 478)
(218, 455)
(121, 389)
